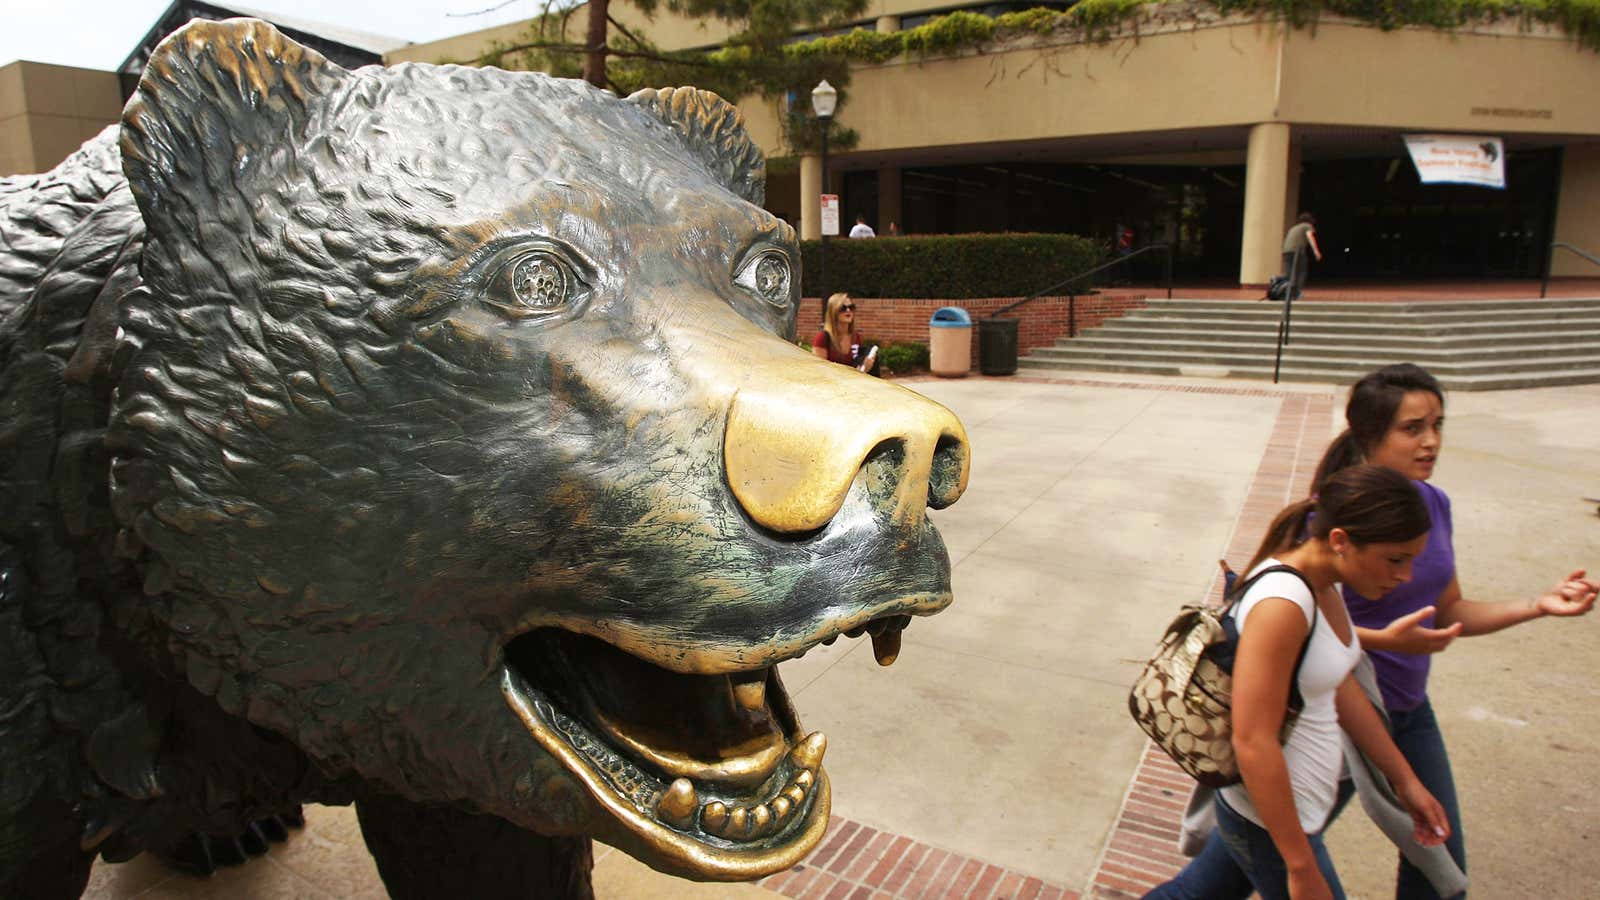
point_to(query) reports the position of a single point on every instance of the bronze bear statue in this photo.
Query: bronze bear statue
(434, 439)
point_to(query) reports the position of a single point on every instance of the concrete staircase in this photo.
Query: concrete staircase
(1469, 345)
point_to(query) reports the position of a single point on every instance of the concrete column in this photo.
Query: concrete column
(1291, 193)
(1578, 196)
(810, 196)
(889, 200)
(887, 24)
(1266, 186)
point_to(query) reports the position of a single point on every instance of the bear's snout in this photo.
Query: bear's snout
(797, 441)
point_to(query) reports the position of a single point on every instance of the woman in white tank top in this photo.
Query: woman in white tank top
(1363, 530)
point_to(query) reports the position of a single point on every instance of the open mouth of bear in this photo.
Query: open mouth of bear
(710, 768)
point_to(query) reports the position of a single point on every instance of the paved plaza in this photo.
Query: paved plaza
(996, 758)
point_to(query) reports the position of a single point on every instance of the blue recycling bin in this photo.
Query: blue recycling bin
(950, 342)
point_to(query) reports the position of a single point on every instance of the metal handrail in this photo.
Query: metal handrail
(1072, 296)
(1550, 263)
(1288, 308)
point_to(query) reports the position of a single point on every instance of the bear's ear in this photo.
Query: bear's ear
(215, 100)
(713, 130)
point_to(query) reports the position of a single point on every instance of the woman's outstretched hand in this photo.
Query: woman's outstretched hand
(1407, 634)
(1572, 596)
(1430, 825)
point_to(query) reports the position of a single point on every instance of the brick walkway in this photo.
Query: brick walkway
(858, 862)
(1141, 852)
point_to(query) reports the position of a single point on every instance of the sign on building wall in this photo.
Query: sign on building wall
(830, 214)
(1458, 159)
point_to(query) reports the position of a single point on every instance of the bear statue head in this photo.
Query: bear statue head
(460, 438)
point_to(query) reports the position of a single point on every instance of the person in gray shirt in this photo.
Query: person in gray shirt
(1301, 237)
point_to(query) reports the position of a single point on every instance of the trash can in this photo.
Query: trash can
(950, 342)
(997, 346)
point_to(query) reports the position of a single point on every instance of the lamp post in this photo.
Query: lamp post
(824, 98)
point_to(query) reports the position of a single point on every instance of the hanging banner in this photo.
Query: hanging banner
(1458, 159)
(830, 214)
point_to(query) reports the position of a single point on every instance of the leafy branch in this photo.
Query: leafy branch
(762, 59)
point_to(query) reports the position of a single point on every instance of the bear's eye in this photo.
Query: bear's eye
(541, 282)
(536, 284)
(768, 277)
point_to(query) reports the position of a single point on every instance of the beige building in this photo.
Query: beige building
(1209, 133)
(1205, 132)
(47, 111)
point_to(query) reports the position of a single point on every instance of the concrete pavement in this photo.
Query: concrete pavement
(998, 750)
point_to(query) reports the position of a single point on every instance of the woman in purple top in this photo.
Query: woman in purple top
(1396, 419)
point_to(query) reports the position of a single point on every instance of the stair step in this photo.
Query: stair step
(1468, 344)
(1426, 307)
(1482, 382)
(1350, 360)
(1546, 319)
(1310, 337)
(1421, 328)
(1414, 350)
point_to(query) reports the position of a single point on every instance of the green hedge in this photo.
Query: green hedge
(954, 267)
(903, 357)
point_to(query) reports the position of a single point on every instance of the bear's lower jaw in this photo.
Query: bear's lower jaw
(708, 830)
(706, 775)
(725, 733)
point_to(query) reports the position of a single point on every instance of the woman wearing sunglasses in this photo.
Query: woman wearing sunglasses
(838, 341)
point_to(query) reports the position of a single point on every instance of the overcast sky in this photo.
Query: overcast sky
(99, 34)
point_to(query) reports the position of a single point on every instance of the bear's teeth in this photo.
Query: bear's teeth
(886, 646)
(678, 803)
(715, 817)
(808, 753)
(751, 695)
(760, 820)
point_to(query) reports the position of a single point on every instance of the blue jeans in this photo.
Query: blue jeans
(1416, 733)
(1237, 857)
(1214, 874)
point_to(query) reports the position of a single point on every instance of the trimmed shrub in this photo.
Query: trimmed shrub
(901, 357)
(955, 267)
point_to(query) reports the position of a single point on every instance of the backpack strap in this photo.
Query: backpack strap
(1239, 586)
(1230, 623)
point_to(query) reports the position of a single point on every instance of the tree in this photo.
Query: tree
(754, 60)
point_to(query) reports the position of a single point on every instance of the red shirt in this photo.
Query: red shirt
(848, 358)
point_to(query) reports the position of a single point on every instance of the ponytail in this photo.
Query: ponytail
(1286, 531)
(1372, 504)
(1344, 452)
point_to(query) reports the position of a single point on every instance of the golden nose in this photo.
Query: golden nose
(795, 444)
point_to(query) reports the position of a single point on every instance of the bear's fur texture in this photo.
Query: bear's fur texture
(371, 406)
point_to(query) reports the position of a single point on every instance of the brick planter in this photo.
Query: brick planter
(1042, 320)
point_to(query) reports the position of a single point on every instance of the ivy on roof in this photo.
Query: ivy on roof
(1100, 20)
(1105, 20)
